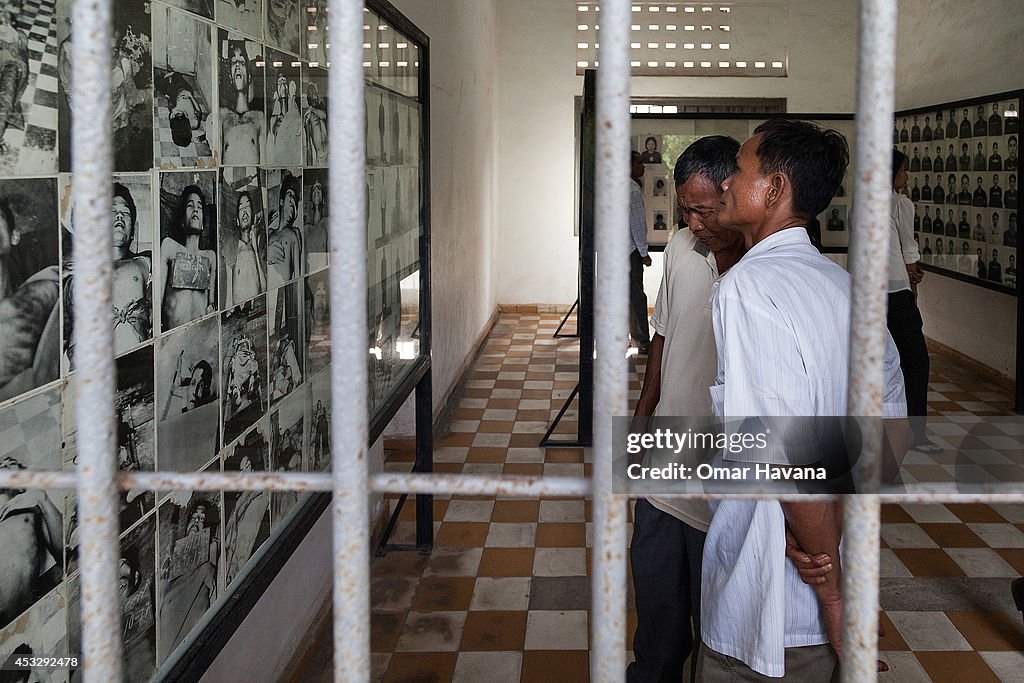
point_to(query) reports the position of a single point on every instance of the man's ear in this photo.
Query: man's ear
(777, 184)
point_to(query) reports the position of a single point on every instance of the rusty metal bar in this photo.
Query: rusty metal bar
(92, 165)
(349, 388)
(611, 193)
(876, 82)
(481, 485)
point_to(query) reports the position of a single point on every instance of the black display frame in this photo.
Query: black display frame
(200, 649)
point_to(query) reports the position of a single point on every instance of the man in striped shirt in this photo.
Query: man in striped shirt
(782, 329)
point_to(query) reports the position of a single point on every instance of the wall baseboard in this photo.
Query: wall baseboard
(534, 309)
(972, 364)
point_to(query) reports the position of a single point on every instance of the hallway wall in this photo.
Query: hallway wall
(938, 60)
(538, 85)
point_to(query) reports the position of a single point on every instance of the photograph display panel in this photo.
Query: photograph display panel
(220, 311)
(963, 166)
(660, 143)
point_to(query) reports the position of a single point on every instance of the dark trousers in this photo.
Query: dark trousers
(905, 324)
(639, 328)
(665, 554)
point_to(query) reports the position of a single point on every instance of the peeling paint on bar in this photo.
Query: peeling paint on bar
(349, 420)
(92, 161)
(480, 485)
(611, 211)
(876, 81)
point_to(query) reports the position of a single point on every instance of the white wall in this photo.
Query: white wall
(463, 173)
(538, 84)
(946, 53)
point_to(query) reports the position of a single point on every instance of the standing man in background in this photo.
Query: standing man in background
(638, 257)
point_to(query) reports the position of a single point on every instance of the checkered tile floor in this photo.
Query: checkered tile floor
(505, 594)
(33, 150)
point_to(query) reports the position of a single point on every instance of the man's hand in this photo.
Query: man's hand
(812, 570)
(915, 273)
(647, 260)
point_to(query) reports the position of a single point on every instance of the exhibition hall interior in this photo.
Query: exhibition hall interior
(481, 292)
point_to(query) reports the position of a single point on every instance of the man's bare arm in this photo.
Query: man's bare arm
(816, 528)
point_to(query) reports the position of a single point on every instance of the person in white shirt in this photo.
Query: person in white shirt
(638, 257)
(903, 317)
(668, 533)
(782, 331)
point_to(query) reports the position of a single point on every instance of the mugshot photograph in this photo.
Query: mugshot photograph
(28, 104)
(314, 115)
(938, 227)
(995, 268)
(1010, 235)
(242, 117)
(183, 78)
(926, 190)
(246, 513)
(940, 132)
(284, 226)
(980, 162)
(995, 193)
(995, 121)
(915, 161)
(244, 366)
(284, 110)
(1012, 120)
(904, 133)
(282, 25)
(981, 123)
(995, 161)
(915, 132)
(651, 153)
(286, 335)
(966, 130)
(926, 160)
(938, 193)
(926, 132)
(951, 225)
(963, 230)
(951, 164)
(1010, 196)
(964, 163)
(133, 235)
(32, 522)
(965, 196)
(187, 392)
(951, 127)
(243, 236)
(189, 538)
(29, 285)
(1010, 272)
(245, 16)
(995, 229)
(915, 192)
(937, 163)
(188, 247)
(980, 197)
(1010, 163)
(978, 232)
(926, 220)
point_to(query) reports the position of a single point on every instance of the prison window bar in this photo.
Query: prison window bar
(97, 481)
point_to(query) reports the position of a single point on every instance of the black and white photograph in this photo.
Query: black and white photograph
(314, 47)
(378, 126)
(190, 554)
(318, 322)
(244, 366)
(314, 115)
(409, 184)
(41, 631)
(651, 153)
(243, 120)
(284, 144)
(287, 437)
(284, 226)
(188, 247)
(133, 232)
(31, 524)
(657, 221)
(660, 187)
(315, 213)
(187, 389)
(183, 82)
(245, 16)
(203, 8)
(243, 235)
(285, 308)
(834, 218)
(29, 98)
(132, 83)
(411, 132)
(246, 513)
(282, 25)
(29, 285)
(319, 449)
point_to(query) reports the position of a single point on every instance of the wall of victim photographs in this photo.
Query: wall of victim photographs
(963, 182)
(661, 141)
(220, 312)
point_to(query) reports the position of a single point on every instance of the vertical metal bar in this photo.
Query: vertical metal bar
(349, 430)
(875, 106)
(92, 153)
(608, 656)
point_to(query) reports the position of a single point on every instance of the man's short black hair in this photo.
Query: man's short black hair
(125, 194)
(713, 156)
(813, 158)
(181, 129)
(898, 160)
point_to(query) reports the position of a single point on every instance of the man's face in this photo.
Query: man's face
(965, 114)
(636, 167)
(1012, 146)
(963, 148)
(282, 86)
(981, 112)
(239, 70)
(1012, 182)
(199, 387)
(318, 195)
(288, 207)
(995, 220)
(197, 521)
(701, 201)
(124, 579)
(123, 228)
(244, 213)
(979, 182)
(995, 180)
(193, 214)
(995, 148)
(744, 191)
